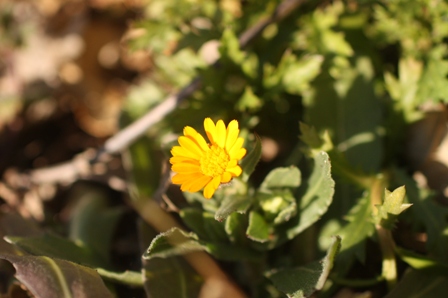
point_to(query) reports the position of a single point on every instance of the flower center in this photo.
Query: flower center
(214, 161)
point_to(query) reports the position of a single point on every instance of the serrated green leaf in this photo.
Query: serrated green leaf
(301, 282)
(391, 207)
(258, 229)
(433, 85)
(316, 198)
(173, 242)
(167, 277)
(251, 160)
(282, 177)
(230, 47)
(249, 101)
(404, 89)
(233, 203)
(176, 242)
(299, 73)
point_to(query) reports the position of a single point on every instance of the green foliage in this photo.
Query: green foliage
(303, 281)
(324, 100)
(391, 208)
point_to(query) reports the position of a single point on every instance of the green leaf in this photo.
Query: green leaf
(167, 277)
(235, 226)
(204, 224)
(404, 89)
(423, 283)
(298, 74)
(345, 104)
(433, 85)
(315, 142)
(173, 242)
(92, 211)
(57, 247)
(249, 101)
(301, 282)
(391, 207)
(130, 278)
(427, 212)
(282, 177)
(233, 203)
(415, 260)
(176, 242)
(170, 277)
(251, 160)
(53, 278)
(355, 233)
(145, 168)
(278, 206)
(316, 198)
(258, 229)
(230, 47)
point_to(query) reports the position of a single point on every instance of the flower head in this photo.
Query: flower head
(201, 165)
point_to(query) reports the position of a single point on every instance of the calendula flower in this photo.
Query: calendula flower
(201, 165)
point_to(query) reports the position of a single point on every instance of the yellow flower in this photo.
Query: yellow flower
(201, 165)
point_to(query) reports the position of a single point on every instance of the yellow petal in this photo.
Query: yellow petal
(239, 154)
(185, 167)
(177, 159)
(191, 146)
(182, 178)
(193, 184)
(221, 134)
(211, 187)
(210, 130)
(226, 177)
(232, 163)
(180, 151)
(200, 183)
(236, 147)
(196, 137)
(232, 134)
(235, 171)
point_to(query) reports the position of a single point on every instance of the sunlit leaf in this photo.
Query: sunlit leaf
(391, 207)
(130, 278)
(316, 198)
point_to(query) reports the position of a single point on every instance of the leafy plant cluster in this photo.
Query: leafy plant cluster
(335, 86)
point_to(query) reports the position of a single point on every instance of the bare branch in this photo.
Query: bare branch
(69, 171)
